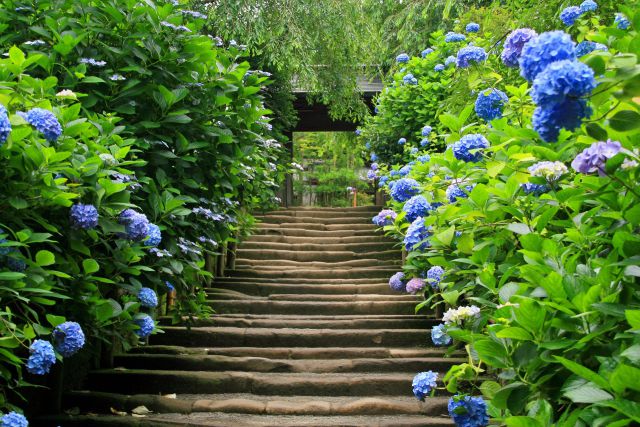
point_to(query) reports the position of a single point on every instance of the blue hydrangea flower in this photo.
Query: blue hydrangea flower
(13, 419)
(469, 55)
(358, 132)
(470, 147)
(424, 158)
(414, 150)
(594, 158)
(588, 6)
(68, 338)
(4, 250)
(534, 189)
(394, 173)
(5, 125)
(374, 157)
(426, 130)
(513, 45)
(452, 37)
(14, 261)
(367, 145)
(454, 192)
(41, 357)
(423, 383)
(434, 276)
(439, 335)
(405, 170)
(438, 67)
(548, 120)
(409, 79)
(622, 22)
(169, 285)
(490, 103)
(570, 14)
(585, 47)
(371, 174)
(450, 60)
(384, 217)
(84, 217)
(415, 207)
(402, 58)
(417, 235)
(45, 122)
(468, 411)
(402, 141)
(375, 166)
(424, 142)
(396, 282)
(145, 324)
(136, 224)
(383, 180)
(148, 298)
(155, 236)
(563, 79)
(426, 52)
(472, 27)
(543, 50)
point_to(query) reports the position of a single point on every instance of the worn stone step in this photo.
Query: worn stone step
(308, 322)
(302, 281)
(357, 248)
(321, 211)
(302, 384)
(280, 219)
(217, 363)
(298, 352)
(273, 263)
(311, 226)
(317, 239)
(313, 307)
(318, 255)
(246, 403)
(265, 289)
(269, 229)
(381, 273)
(315, 297)
(219, 419)
(289, 337)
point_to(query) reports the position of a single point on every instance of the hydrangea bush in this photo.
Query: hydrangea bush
(538, 234)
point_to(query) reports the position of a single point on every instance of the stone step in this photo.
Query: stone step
(218, 363)
(317, 239)
(318, 255)
(321, 211)
(246, 403)
(311, 226)
(219, 419)
(357, 248)
(309, 322)
(280, 219)
(301, 281)
(381, 273)
(304, 232)
(265, 289)
(302, 384)
(273, 263)
(226, 294)
(289, 337)
(298, 352)
(313, 307)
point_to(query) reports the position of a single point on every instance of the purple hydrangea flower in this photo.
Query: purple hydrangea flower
(594, 157)
(146, 325)
(621, 21)
(468, 411)
(415, 207)
(426, 52)
(434, 276)
(385, 217)
(371, 174)
(41, 357)
(470, 147)
(402, 58)
(570, 14)
(548, 120)
(375, 166)
(472, 27)
(5, 125)
(543, 50)
(84, 217)
(454, 192)
(45, 122)
(68, 338)
(13, 419)
(396, 282)
(404, 189)
(490, 103)
(513, 45)
(469, 55)
(423, 383)
(585, 47)
(439, 335)
(452, 37)
(417, 235)
(562, 79)
(438, 67)
(588, 6)
(415, 285)
(148, 298)
(136, 224)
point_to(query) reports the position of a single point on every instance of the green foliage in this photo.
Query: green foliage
(170, 125)
(555, 276)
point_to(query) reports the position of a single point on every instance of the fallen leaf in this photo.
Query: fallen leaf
(116, 412)
(140, 410)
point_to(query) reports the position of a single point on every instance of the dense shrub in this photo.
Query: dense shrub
(536, 233)
(143, 145)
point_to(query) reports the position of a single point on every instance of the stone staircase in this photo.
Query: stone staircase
(307, 333)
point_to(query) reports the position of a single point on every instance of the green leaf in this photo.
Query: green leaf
(519, 228)
(11, 275)
(624, 377)
(625, 120)
(514, 333)
(16, 55)
(627, 407)
(90, 266)
(596, 132)
(586, 393)
(489, 389)
(492, 353)
(583, 372)
(55, 320)
(44, 258)
(633, 317)
(522, 422)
